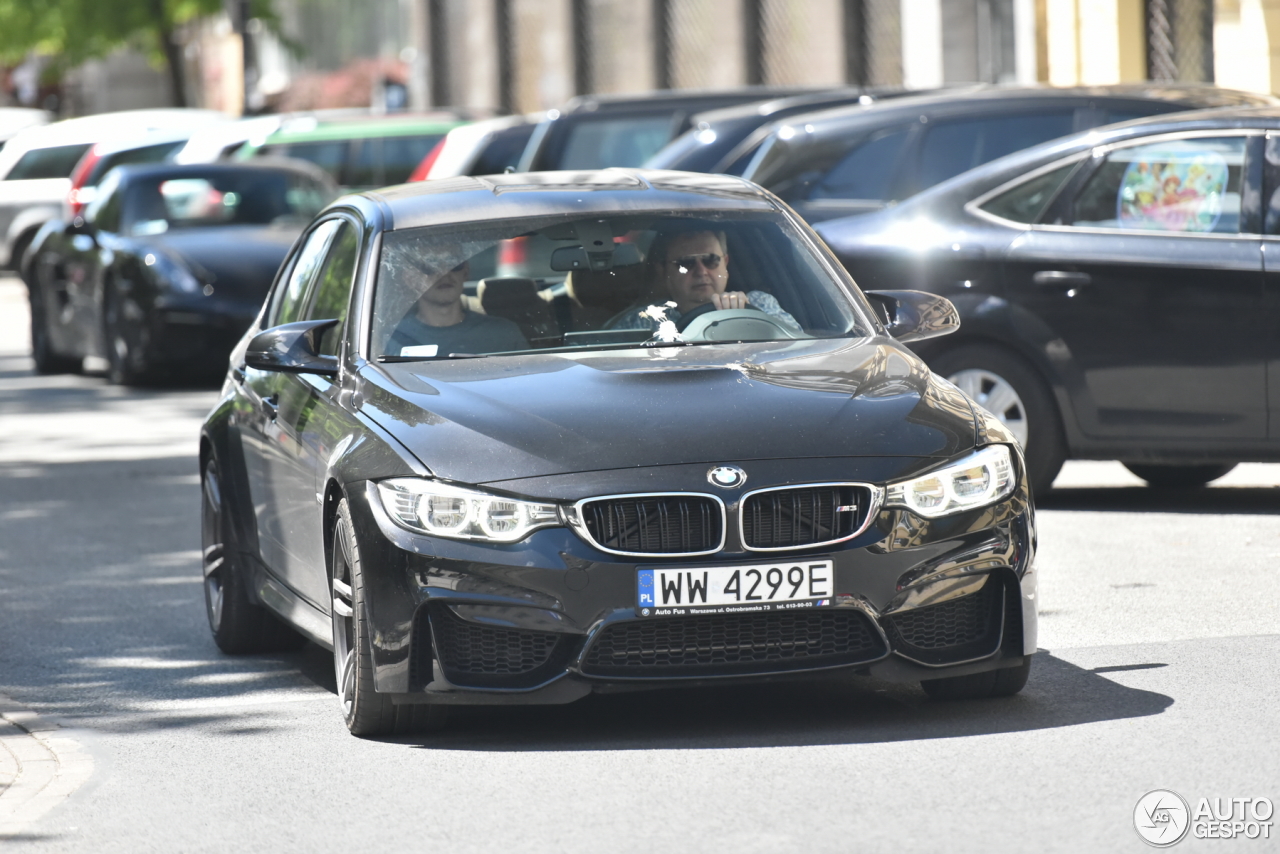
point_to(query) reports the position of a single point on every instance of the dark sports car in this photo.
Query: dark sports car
(1118, 291)
(167, 267)
(482, 489)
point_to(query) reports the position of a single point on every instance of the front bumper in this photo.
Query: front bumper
(551, 619)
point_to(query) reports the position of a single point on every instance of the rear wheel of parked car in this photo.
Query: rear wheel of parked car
(1179, 476)
(1004, 682)
(366, 712)
(238, 625)
(127, 361)
(1010, 389)
(47, 359)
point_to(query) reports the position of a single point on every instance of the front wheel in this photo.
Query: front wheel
(1004, 682)
(238, 625)
(1011, 390)
(47, 359)
(1179, 476)
(365, 711)
(127, 358)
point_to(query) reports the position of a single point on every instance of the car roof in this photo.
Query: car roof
(314, 130)
(1010, 98)
(675, 99)
(529, 194)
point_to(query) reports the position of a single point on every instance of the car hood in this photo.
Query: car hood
(237, 259)
(509, 417)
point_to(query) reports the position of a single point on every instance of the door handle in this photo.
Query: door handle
(1061, 278)
(270, 406)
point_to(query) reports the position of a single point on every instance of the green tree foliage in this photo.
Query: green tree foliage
(72, 31)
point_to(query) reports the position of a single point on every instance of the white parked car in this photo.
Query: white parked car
(36, 165)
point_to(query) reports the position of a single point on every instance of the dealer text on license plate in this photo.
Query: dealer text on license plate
(764, 587)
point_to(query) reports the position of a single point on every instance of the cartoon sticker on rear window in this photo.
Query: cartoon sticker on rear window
(1173, 191)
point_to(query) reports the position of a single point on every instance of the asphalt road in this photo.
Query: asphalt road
(123, 729)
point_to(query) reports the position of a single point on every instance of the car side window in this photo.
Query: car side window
(1027, 201)
(952, 147)
(332, 290)
(290, 299)
(866, 172)
(1271, 184)
(1177, 185)
(104, 210)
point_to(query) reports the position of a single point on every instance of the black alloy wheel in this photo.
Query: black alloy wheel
(127, 362)
(47, 359)
(1179, 476)
(365, 711)
(1004, 682)
(1011, 390)
(238, 625)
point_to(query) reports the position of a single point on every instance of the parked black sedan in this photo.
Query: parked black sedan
(857, 159)
(685, 492)
(1119, 291)
(167, 267)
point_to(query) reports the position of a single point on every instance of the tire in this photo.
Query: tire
(239, 627)
(1179, 476)
(127, 361)
(365, 711)
(1004, 682)
(47, 359)
(1012, 391)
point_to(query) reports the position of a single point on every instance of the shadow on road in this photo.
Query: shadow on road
(834, 710)
(1141, 499)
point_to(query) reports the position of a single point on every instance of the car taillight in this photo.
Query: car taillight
(424, 168)
(75, 198)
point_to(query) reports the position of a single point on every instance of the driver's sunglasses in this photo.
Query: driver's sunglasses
(710, 260)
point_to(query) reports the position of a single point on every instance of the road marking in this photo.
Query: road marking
(39, 768)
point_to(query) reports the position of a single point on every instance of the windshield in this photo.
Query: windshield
(571, 283)
(252, 197)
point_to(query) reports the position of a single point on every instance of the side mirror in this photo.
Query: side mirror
(293, 348)
(914, 315)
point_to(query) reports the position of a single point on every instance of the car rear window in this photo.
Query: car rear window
(145, 154)
(952, 147)
(866, 172)
(380, 161)
(58, 161)
(330, 155)
(605, 141)
(503, 150)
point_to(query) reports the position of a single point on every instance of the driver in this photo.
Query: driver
(693, 268)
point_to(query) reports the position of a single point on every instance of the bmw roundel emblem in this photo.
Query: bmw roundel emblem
(727, 477)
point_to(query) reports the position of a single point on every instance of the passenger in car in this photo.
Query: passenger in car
(438, 324)
(692, 268)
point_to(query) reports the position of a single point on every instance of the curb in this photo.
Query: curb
(39, 768)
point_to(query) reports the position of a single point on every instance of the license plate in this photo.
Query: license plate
(733, 589)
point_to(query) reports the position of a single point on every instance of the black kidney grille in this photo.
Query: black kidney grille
(728, 644)
(476, 654)
(963, 628)
(791, 518)
(655, 524)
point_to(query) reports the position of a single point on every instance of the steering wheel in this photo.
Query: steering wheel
(705, 309)
(707, 323)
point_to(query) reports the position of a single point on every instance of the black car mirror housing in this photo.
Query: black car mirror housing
(914, 315)
(292, 348)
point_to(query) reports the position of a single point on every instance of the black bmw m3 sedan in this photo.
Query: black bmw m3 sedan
(519, 438)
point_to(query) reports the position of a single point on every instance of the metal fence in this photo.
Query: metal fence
(1180, 40)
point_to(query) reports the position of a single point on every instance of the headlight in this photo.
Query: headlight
(173, 272)
(442, 510)
(979, 479)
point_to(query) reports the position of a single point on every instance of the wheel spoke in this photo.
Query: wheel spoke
(1003, 402)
